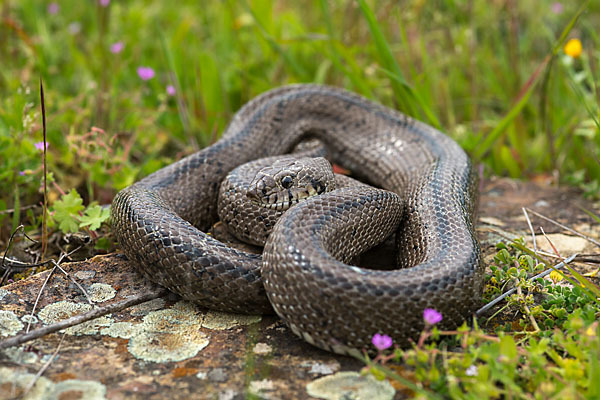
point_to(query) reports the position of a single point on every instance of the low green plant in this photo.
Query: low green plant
(560, 359)
(72, 216)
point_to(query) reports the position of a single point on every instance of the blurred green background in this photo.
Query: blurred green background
(133, 85)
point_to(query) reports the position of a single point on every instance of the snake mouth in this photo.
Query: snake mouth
(282, 201)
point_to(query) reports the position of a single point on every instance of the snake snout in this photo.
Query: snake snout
(288, 181)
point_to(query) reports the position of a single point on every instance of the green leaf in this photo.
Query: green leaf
(66, 211)
(508, 348)
(94, 217)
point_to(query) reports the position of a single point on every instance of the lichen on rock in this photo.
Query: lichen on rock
(10, 324)
(350, 385)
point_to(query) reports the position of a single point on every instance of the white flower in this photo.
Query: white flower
(471, 371)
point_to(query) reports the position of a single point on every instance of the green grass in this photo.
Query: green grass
(491, 74)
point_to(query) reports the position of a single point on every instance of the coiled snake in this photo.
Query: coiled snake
(160, 223)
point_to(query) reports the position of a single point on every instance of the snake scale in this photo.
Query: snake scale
(160, 223)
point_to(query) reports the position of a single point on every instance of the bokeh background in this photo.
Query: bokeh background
(131, 85)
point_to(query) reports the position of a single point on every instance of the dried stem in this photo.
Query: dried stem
(81, 318)
(44, 367)
(45, 211)
(565, 227)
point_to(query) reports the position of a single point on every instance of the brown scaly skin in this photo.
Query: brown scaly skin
(333, 306)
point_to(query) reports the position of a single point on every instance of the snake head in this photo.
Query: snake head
(290, 180)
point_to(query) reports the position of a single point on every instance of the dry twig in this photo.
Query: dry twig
(573, 231)
(81, 318)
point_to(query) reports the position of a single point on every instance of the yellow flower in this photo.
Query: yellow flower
(556, 276)
(573, 48)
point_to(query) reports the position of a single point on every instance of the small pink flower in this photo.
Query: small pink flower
(104, 3)
(431, 316)
(381, 342)
(557, 8)
(171, 90)
(53, 8)
(22, 173)
(40, 146)
(117, 47)
(145, 73)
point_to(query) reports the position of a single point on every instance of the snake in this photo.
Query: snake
(304, 274)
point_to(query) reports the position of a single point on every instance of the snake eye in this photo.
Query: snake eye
(264, 190)
(286, 182)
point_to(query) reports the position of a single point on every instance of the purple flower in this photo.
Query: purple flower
(431, 316)
(22, 173)
(557, 8)
(381, 342)
(145, 73)
(40, 146)
(104, 3)
(117, 47)
(171, 90)
(53, 8)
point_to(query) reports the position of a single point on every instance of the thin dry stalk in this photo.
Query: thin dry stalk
(531, 229)
(37, 299)
(45, 211)
(81, 318)
(592, 240)
(56, 266)
(44, 367)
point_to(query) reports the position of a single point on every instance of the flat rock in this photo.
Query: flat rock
(169, 348)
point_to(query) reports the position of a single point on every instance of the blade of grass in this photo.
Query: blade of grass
(526, 91)
(416, 95)
(584, 103)
(522, 99)
(289, 60)
(182, 111)
(336, 57)
(405, 94)
(591, 214)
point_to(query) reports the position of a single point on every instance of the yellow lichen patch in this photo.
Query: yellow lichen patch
(10, 324)
(220, 320)
(65, 309)
(18, 355)
(351, 385)
(83, 275)
(169, 335)
(14, 383)
(100, 292)
(267, 388)
(262, 349)
(123, 330)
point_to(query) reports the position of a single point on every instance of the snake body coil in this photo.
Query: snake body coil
(159, 223)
